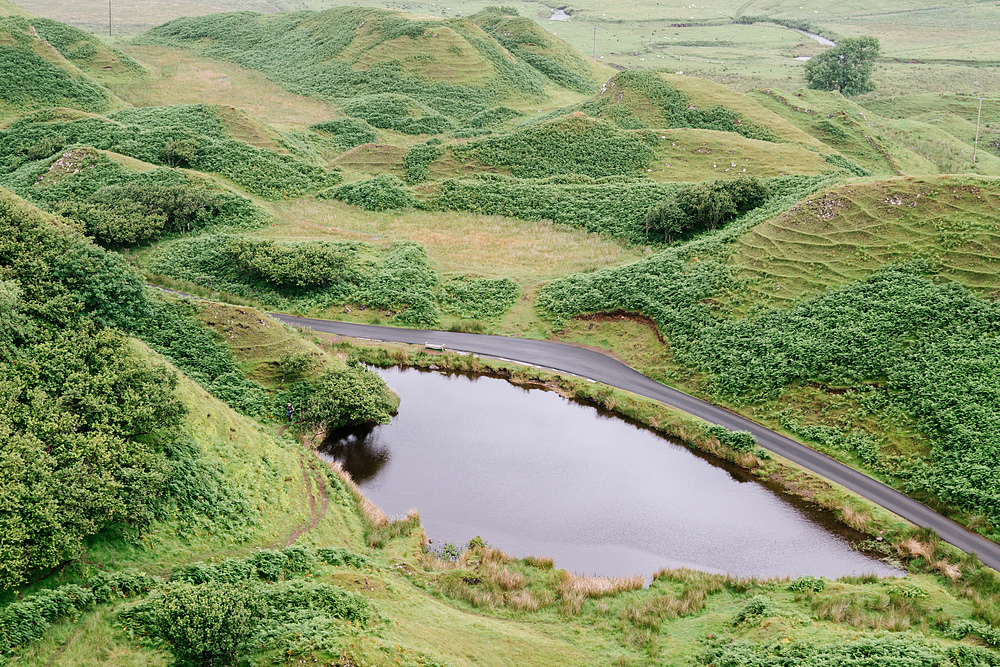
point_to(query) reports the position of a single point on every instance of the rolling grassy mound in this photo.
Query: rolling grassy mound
(85, 50)
(34, 74)
(698, 155)
(373, 159)
(842, 235)
(452, 68)
(917, 138)
(643, 97)
(525, 39)
(195, 136)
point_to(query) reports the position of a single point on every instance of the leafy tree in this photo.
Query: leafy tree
(667, 218)
(73, 459)
(341, 398)
(208, 625)
(847, 67)
(705, 204)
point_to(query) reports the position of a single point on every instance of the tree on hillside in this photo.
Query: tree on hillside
(846, 67)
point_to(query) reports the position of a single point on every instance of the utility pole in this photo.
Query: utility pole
(975, 146)
(109, 18)
(595, 42)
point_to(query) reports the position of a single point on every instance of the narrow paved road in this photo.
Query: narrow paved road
(604, 369)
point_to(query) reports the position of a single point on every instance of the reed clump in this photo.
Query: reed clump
(381, 535)
(539, 562)
(597, 587)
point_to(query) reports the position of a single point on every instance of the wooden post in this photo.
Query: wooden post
(975, 146)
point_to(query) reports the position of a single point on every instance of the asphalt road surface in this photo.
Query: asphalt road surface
(602, 368)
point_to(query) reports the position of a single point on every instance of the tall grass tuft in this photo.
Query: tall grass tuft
(540, 562)
(597, 587)
(379, 536)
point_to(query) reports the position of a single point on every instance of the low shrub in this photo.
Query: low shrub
(392, 111)
(346, 133)
(478, 298)
(740, 441)
(385, 192)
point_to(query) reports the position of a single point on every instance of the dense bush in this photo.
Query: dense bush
(846, 68)
(308, 264)
(569, 145)
(740, 441)
(338, 398)
(346, 133)
(208, 625)
(419, 158)
(29, 81)
(27, 620)
(478, 298)
(137, 209)
(705, 205)
(614, 207)
(402, 282)
(391, 111)
(385, 192)
(188, 134)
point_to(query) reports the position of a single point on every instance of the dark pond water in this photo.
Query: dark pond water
(536, 474)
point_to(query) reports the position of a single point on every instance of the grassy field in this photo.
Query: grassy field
(499, 182)
(932, 46)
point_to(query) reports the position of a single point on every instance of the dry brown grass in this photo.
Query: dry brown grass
(181, 77)
(507, 580)
(540, 562)
(951, 570)
(371, 513)
(597, 587)
(856, 519)
(915, 548)
(523, 601)
(571, 603)
(492, 555)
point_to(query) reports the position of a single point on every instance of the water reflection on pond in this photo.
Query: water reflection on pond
(536, 474)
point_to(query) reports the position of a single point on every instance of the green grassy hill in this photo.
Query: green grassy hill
(912, 139)
(841, 235)
(439, 73)
(826, 266)
(34, 74)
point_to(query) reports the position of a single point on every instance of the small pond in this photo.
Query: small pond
(536, 474)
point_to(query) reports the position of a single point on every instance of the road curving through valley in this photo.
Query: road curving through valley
(597, 366)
